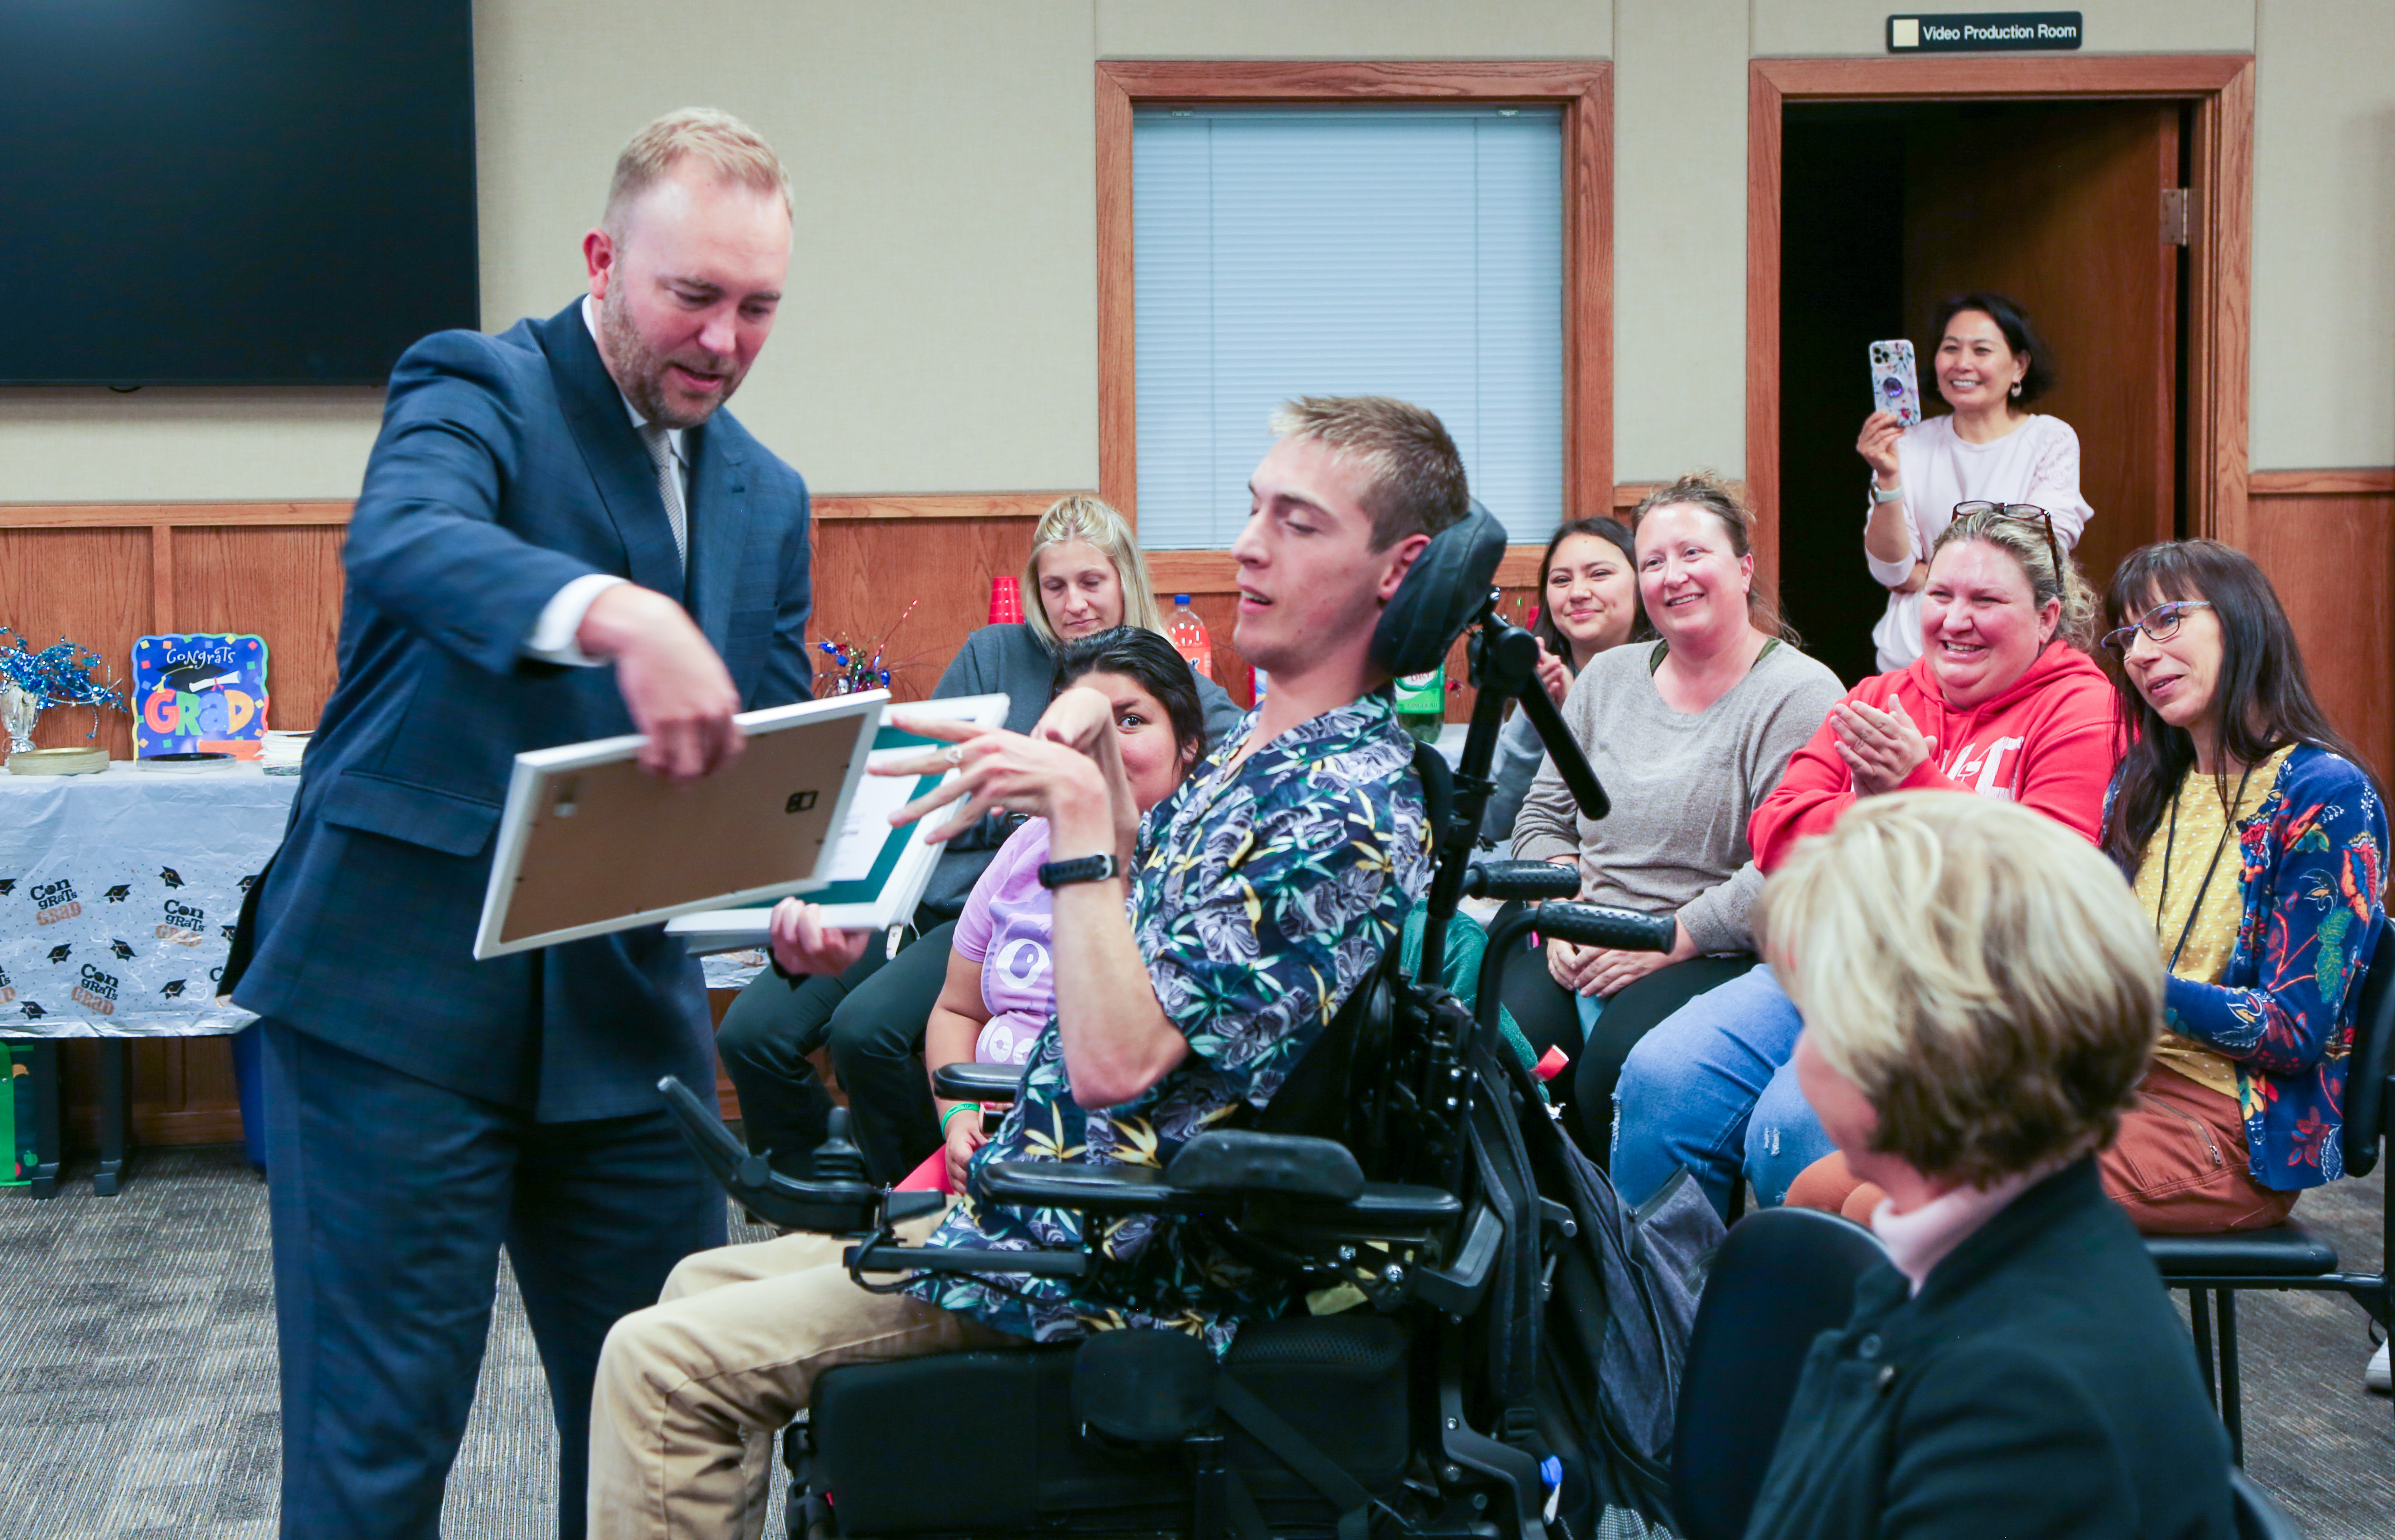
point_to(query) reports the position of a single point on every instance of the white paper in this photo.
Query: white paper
(867, 827)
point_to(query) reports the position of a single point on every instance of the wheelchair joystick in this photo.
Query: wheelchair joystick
(837, 1158)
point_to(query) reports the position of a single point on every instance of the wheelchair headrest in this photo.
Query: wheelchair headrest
(1442, 591)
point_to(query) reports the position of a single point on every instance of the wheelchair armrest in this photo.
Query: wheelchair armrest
(964, 1081)
(1241, 1161)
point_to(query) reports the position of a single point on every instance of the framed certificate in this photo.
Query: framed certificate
(589, 843)
(878, 873)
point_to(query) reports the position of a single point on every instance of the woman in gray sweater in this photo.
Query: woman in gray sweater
(1085, 571)
(1688, 734)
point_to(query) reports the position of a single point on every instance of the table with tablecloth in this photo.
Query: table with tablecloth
(118, 895)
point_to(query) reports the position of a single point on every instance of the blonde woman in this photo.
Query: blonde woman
(1085, 570)
(1980, 992)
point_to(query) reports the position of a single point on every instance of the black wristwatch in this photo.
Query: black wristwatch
(1057, 873)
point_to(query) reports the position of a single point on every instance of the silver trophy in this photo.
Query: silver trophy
(18, 711)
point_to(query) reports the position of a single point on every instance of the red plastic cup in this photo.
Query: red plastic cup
(1005, 602)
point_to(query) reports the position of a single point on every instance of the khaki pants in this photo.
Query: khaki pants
(693, 1390)
(2179, 1168)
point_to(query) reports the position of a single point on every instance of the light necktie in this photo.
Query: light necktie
(668, 486)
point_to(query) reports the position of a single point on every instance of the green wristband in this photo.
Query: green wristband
(953, 1111)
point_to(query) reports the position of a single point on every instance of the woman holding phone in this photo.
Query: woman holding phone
(1990, 364)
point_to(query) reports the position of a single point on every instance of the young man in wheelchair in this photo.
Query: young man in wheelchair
(1196, 958)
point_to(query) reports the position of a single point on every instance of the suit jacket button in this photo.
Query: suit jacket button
(1867, 1349)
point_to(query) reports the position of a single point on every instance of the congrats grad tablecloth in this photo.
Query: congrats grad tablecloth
(118, 893)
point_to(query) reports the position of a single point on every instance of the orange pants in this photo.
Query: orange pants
(2178, 1166)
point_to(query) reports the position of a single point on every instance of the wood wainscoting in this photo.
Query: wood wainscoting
(2327, 540)
(104, 574)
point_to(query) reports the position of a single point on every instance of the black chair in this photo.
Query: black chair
(1783, 1277)
(2212, 1269)
(2258, 1518)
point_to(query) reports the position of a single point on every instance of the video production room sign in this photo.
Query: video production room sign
(1984, 32)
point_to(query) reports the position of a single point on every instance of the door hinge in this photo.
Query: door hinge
(2177, 215)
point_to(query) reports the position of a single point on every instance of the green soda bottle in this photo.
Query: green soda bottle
(1421, 703)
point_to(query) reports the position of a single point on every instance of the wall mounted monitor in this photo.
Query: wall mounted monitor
(232, 191)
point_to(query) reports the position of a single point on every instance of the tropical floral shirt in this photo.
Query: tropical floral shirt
(2313, 883)
(1260, 897)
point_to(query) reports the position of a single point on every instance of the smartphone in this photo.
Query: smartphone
(1896, 387)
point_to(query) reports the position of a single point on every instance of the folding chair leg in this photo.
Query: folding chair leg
(2199, 1314)
(2233, 1414)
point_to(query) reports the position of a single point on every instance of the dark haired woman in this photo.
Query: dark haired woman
(1588, 602)
(2258, 844)
(1990, 364)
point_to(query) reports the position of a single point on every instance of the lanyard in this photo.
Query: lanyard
(2170, 842)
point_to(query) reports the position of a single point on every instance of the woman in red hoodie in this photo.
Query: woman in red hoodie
(2003, 701)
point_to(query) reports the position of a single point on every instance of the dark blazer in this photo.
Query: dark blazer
(507, 466)
(2039, 1385)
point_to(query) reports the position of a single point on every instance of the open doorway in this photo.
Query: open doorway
(1887, 207)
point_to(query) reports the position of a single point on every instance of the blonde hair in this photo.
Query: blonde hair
(1418, 485)
(1982, 973)
(1079, 517)
(1705, 490)
(2025, 542)
(735, 151)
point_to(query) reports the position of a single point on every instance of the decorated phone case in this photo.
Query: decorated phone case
(1896, 387)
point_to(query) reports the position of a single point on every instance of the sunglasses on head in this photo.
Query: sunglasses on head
(2159, 623)
(2027, 513)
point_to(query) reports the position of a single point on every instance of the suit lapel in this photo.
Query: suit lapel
(719, 526)
(619, 465)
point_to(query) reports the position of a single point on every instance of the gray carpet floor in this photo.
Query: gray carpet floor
(138, 1396)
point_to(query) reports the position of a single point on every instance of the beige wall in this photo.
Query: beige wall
(2324, 234)
(1795, 27)
(943, 336)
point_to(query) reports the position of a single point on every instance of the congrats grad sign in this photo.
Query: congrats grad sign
(199, 694)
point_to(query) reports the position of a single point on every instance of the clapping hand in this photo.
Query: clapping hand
(1880, 748)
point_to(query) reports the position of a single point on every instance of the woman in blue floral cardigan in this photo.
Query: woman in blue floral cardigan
(2257, 845)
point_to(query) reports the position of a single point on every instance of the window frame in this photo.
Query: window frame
(1582, 88)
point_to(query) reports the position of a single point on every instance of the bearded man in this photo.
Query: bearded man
(561, 536)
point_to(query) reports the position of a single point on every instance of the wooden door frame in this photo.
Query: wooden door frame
(1583, 88)
(2219, 296)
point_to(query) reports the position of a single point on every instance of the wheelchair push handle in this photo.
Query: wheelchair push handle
(1618, 929)
(1520, 879)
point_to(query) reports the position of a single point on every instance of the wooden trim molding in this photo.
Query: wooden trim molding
(2220, 298)
(88, 516)
(165, 516)
(1585, 91)
(947, 505)
(2360, 482)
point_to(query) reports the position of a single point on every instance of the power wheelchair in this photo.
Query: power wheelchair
(1388, 1176)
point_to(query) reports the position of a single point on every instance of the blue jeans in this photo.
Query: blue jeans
(1713, 1088)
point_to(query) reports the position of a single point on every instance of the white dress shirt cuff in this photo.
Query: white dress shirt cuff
(561, 618)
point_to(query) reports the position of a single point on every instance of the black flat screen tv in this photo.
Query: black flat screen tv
(232, 191)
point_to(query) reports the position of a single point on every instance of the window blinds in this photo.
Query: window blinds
(1406, 252)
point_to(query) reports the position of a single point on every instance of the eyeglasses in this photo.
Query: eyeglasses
(2159, 623)
(2027, 513)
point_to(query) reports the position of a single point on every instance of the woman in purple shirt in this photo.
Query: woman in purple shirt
(1002, 984)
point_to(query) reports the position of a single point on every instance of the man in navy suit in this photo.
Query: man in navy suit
(561, 537)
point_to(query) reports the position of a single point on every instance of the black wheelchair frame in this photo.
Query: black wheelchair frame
(1386, 1178)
